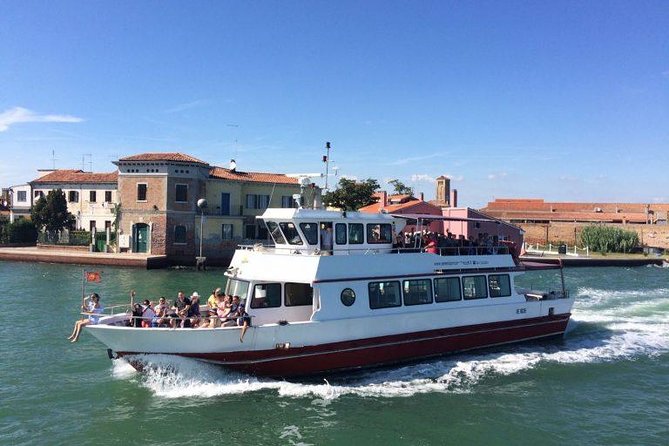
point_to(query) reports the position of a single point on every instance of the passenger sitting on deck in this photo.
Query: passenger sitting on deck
(230, 320)
(223, 310)
(93, 309)
(243, 320)
(212, 305)
(161, 317)
(137, 313)
(194, 310)
(147, 313)
(180, 307)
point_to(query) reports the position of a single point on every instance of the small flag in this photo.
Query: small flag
(93, 276)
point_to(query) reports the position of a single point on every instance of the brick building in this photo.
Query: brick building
(158, 194)
(561, 222)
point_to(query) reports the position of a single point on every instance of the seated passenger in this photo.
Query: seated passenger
(243, 320)
(147, 313)
(161, 310)
(212, 305)
(431, 247)
(230, 320)
(137, 313)
(181, 307)
(223, 311)
(194, 310)
(93, 308)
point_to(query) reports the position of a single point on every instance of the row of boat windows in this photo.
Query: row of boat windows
(385, 294)
(351, 233)
(425, 291)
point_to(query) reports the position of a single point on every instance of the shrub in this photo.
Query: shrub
(609, 239)
(21, 231)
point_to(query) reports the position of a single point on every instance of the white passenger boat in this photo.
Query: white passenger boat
(361, 304)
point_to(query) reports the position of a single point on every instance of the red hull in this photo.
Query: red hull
(383, 350)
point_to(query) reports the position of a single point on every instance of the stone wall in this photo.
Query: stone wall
(559, 232)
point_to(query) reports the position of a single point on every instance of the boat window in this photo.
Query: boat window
(379, 233)
(266, 295)
(384, 294)
(475, 287)
(298, 294)
(290, 231)
(340, 233)
(499, 285)
(447, 289)
(310, 231)
(417, 292)
(275, 232)
(347, 297)
(236, 287)
(355, 233)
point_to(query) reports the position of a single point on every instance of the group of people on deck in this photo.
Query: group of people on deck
(448, 244)
(221, 311)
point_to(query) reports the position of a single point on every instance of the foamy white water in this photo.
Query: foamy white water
(606, 326)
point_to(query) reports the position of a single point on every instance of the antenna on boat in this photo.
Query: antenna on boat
(305, 180)
(326, 160)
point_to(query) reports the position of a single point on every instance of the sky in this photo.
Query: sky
(560, 100)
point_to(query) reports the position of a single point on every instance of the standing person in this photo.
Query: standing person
(326, 240)
(93, 308)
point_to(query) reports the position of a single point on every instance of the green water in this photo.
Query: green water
(606, 383)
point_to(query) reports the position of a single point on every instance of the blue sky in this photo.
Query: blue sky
(567, 101)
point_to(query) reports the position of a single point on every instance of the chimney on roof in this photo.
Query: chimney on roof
(422, 196)
(233, 166)
(383, 199)
(454, 198)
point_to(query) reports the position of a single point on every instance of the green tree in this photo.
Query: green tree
(401, 188)
(351, 195)
(51, 213)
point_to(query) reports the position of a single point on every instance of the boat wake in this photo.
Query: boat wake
(606, 326)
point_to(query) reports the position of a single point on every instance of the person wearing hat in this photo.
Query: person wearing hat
(212, 305)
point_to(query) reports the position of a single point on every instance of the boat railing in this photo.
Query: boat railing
(367, 250)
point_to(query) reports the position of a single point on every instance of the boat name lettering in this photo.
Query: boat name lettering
(462, 262)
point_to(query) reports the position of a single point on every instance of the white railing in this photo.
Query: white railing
(554, 250)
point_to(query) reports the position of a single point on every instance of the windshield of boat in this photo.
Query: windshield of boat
(275, 232)
(236, 287)
(290, 231)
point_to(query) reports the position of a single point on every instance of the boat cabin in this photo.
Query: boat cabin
(308, 231)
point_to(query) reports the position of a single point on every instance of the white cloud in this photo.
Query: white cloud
(187, 106)
(408, 160)
(18, 115)
(497, 176)
(422, 178)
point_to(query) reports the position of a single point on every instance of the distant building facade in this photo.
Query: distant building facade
(467, 222)
(91, 197)
(562, 222)
(159, 192)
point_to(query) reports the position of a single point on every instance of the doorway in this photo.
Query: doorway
(140, 233)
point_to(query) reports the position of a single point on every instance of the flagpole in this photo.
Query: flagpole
(83, 288)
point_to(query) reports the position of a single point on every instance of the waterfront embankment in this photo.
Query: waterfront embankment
(619, 260)
(35, 254)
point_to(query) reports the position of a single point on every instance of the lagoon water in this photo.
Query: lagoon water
(606, 383)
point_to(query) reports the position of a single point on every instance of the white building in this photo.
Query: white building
(91, 197)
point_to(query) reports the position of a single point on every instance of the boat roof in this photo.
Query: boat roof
(320, 214)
